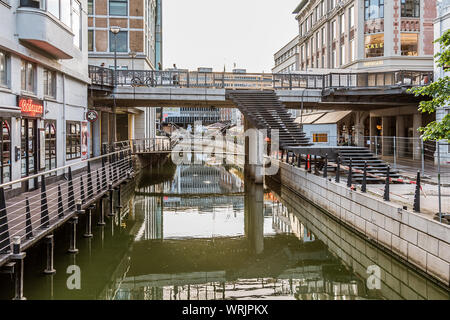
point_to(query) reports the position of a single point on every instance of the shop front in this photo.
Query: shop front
(32, 140)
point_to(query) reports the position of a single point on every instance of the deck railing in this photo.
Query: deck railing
(224, 80)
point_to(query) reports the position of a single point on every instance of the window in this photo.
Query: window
(121, 39)
(76, 23)
(333, 58)
(411, 8)
(351, 17)
(409, 44)
(73, 140)
(118, 7)
(301, 29)
(322, 8)
(49, 83)
(352, 50)
(333, 29)
(50, 145)
(53, 7)
(373, 9)
(320, 137)
(342, 54)
(39, 4)
(90, 7)
(317, 41)
(28, 76)
(66, 13)
(342, 23)
(374, 45)
(5, 156)
(90, 40)
(323, 36)
(3, 69)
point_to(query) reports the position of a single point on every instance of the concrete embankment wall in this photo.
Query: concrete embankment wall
(423, 242)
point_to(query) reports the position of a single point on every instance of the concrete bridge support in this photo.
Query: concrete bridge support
(254, 153)
(254, 215)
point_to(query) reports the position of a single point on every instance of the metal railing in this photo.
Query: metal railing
(224, 80)
(152, 145)
(30, 216)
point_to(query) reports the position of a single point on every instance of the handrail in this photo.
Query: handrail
(226, 80)
(10, 183)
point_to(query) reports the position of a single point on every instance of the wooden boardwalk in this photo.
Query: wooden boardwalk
(36, 214)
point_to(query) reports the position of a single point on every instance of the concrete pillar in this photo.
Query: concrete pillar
(417, 145)
(254, 228)
(400, 134)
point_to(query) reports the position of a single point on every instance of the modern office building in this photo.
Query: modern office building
(43, 86)
(138, 45)
(287, 58)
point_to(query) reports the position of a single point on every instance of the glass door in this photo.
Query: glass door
(29, 152)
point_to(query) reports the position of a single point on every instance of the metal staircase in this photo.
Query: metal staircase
(264, 111)
(375, 166)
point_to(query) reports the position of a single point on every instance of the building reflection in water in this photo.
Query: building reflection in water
(266, 252)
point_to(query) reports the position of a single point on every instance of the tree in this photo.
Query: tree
(439, 91)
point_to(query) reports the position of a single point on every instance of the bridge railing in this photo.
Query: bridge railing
(152, 145)
(28, 217)
(225, 80)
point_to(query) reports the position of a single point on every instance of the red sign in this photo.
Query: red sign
(31, 107)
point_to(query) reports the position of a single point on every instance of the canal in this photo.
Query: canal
(203, 231)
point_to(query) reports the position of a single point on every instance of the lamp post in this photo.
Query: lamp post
(115, 30)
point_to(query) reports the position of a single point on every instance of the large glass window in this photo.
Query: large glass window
(342, 54)
(28, 76)
(373, 9)
(352, 50)
(342, 23)
(409, 44)
(333, 29)
(5, 156)
(49, 83)
(65, 13)
(374, 45)
(121, 39)
(76, 23)
(50, 145)
(118, 7)
(73, 140)
(411, 8)
(3, 69)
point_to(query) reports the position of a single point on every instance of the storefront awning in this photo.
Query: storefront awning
(332, 117)
(10, 111)
(309, 119)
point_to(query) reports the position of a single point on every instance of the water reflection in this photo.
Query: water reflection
(201, 232)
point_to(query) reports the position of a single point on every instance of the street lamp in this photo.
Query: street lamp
(115, 30)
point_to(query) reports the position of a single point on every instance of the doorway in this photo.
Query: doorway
(29, 152)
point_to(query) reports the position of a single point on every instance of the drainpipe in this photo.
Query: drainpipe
(64, 118)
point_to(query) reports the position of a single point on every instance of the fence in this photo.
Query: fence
(225, 80)
(30, 216)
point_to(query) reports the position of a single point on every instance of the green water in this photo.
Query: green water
(202, 232)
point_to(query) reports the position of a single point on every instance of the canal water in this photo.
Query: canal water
(205, 232)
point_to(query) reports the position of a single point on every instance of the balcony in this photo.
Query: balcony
(41, 30)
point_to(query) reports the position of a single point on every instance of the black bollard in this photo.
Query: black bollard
(45, 221)
(325, 168)
(364, 181)
(316, 169)
(350, 174)
(388, 181)
(60, 203)
(417, 194)
(299, 161)
(28, 224)
(4, 230)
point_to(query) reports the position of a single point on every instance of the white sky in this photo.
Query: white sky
(214, 33)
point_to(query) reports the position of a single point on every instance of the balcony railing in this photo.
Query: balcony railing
(222, 80)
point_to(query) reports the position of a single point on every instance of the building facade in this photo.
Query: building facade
(366, 35)
(373, 36)
(287, 58)
(43, 86)
(138, 45)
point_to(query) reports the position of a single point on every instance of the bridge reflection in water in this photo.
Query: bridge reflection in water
(202, 232)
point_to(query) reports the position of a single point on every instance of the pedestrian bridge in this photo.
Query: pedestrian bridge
(337, 91)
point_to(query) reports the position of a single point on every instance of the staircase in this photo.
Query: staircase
(264, 111)
(375, 165)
